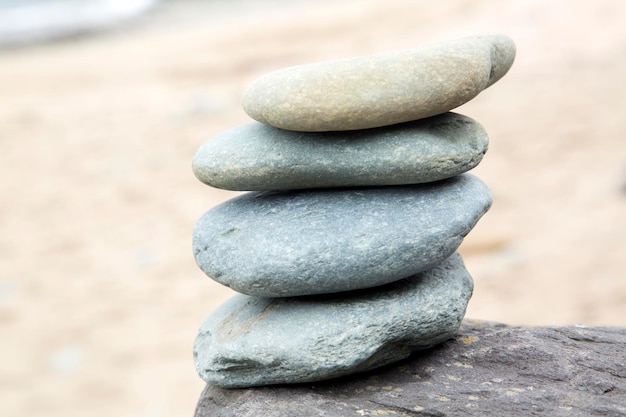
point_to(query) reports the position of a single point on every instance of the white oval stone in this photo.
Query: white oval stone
(379, 90)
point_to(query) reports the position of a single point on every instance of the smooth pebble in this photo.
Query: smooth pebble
(379, 90)
(250, 341)
(255, 156)
(289, 243)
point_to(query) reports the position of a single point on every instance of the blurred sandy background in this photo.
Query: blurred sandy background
(100, 297)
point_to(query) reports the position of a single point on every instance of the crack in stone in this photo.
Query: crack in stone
(410, 412)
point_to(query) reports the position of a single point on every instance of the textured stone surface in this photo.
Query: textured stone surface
(259, 157)
(379, 90)
(252, 341)
(486, 370)
(329, 240)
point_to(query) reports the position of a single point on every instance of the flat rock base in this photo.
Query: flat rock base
(488, 369)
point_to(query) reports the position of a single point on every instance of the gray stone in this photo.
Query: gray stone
(486, 370)
(379, 90)
(278, 244)
(255, 156)
(251, 341)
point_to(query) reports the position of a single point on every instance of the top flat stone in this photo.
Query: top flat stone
(379, 90)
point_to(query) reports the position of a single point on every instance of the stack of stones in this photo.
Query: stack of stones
(344, 248)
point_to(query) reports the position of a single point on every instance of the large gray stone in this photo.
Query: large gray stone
(379, 90)
(252, 341)
(486, 370)
(278, 244)
(259, 157)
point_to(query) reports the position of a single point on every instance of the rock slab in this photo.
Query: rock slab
(379, 90)
(486, 370)
(290, 243)
(258, 157)
(250, 341)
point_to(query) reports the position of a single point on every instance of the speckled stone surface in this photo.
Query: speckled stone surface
(487, 369)
(379, 90)
(252, 341)
(278, 244)
(255, 156)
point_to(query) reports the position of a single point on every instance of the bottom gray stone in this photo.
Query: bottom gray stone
(251, 341)
(488, 369)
